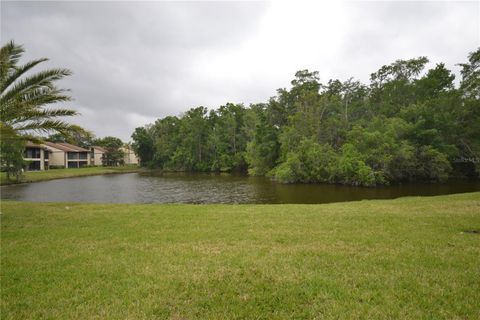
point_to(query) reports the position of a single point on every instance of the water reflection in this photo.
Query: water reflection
(212, 188)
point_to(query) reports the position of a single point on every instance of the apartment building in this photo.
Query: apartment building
(96, 155)
(37, 156)
(67, 155)
(129, 157)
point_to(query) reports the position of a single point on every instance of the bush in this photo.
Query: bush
(289, 171)
(352, 170)
(432, 164)
(11, 157)
(310, 163)
(53, 167)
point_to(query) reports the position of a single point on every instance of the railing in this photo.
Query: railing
(77, 156)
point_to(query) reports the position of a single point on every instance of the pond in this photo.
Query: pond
(212, 188)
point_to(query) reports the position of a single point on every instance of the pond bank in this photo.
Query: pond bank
(35, 176)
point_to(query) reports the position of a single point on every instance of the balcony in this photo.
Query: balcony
(32, 153)
(77, 156)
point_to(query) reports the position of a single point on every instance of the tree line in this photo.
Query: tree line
(407, 124)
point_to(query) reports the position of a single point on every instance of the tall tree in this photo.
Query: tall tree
(470, 124)
(227, 137)
(143, 145)
(166, 139)
(471, 75)
(191, 154)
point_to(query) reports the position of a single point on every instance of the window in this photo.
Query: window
(32, 153)
(83, 156)
(73, 164)
(72, 155)
(33, 166)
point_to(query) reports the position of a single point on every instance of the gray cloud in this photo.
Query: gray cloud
(136, 61)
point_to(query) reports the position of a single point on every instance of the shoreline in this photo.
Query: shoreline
(54, 174)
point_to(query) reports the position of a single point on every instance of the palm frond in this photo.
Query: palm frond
(45, 126)
(41, 80)
(10, 53)
(43, 96)
(31, 102)
(36, 115)
(7, 133)
(17, 72)
(23, 98)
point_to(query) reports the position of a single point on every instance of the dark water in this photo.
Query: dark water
(212, 188)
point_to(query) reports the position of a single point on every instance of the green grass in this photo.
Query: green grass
(410, 258)
(34, 176)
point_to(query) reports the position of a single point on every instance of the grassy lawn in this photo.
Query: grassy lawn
(410, 258)
(33, 176)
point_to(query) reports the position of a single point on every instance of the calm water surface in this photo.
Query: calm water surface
(212, 188)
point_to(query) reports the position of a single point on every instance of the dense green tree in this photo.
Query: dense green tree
(470, 117)
(143, 145)
(470, 85)
(311, 162)
(166, 139)
(263, 149)
(191, 153)
(227, 139)
(408, 124)
(352, 169)
(11, 157)
(392, 86)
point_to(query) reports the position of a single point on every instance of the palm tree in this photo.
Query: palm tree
(24, 100)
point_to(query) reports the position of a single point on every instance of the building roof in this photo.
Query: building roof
(101, 149)
(67, 147)
(30, 144)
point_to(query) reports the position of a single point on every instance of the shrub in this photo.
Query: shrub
(432, 164)
(53, 167)
(351, 169)
(310, 163)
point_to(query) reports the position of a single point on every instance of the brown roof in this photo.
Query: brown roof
(66, 147)
(34, 145)
(75, 148)
(101, 149)
(31, 144)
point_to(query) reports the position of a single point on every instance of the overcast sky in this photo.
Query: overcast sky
(134, 62)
